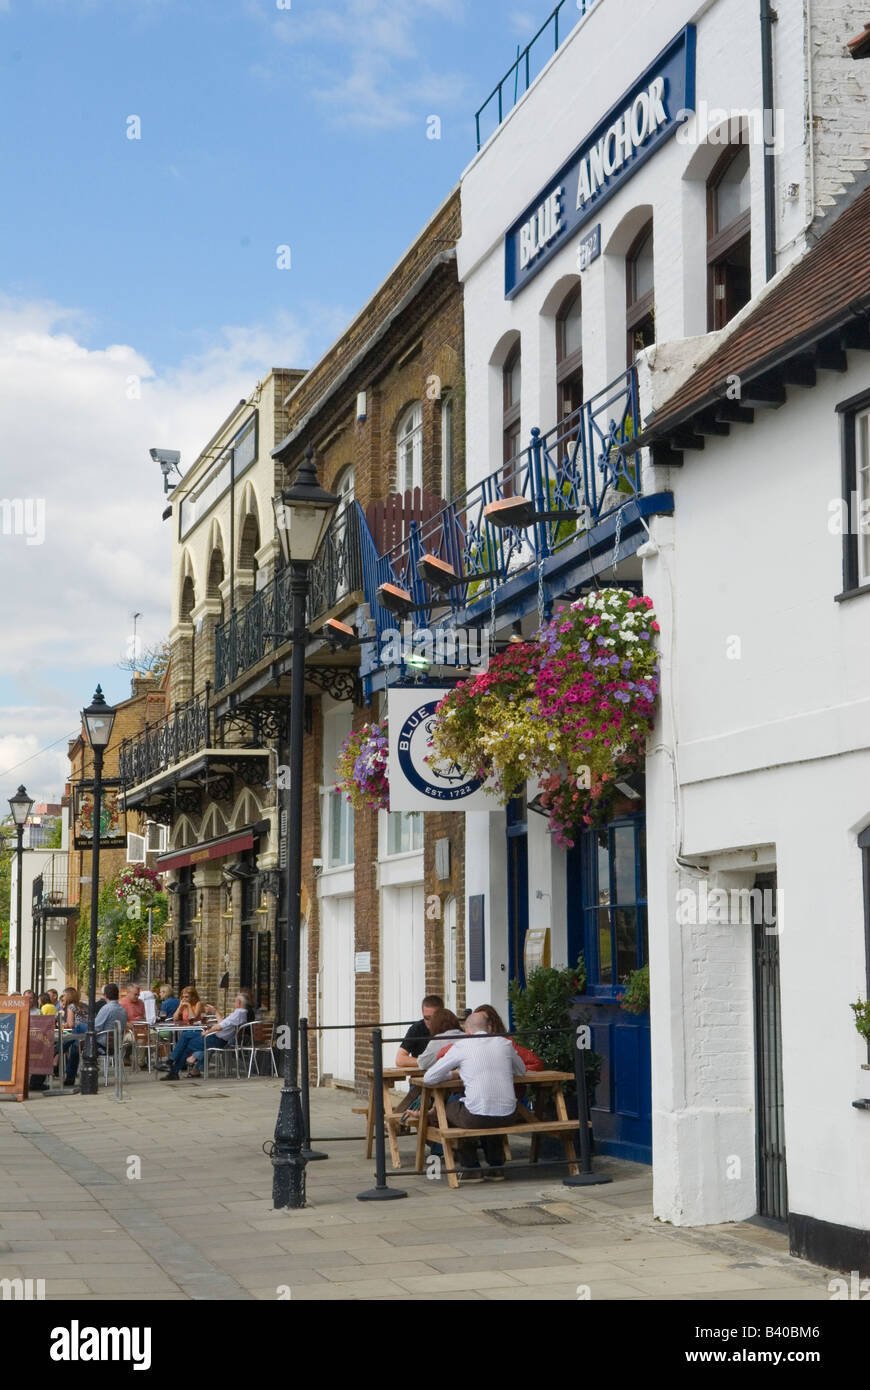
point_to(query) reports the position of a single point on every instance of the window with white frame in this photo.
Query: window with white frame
(338, 830)
(404, 832)
(862, 479)
(855, 521)
(409, 449)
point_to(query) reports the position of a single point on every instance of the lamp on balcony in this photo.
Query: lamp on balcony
(20, 805)
(302, 516)
(98, 720)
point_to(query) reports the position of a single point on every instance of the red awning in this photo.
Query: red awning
(211, 849)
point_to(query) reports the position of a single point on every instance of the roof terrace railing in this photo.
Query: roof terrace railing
(530, 62)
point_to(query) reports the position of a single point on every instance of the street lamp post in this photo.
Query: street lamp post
(98, 719)
(20, 805)
(302, 517)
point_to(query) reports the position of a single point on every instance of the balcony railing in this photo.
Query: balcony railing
(579, 469)
(177, 736)
(56, 887)
(529, 63)
(253, 631)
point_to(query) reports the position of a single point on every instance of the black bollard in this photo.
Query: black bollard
(309, 1154)
(586, 1177)
(380, 1192)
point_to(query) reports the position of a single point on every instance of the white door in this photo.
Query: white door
(337, 988)
(403, 961)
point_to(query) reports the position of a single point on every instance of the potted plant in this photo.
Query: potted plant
(635, 1000)
(543, 1021)
(861, 1010)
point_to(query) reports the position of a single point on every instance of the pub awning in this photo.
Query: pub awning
(235, 843)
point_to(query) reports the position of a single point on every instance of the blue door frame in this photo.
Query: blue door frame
(607, 921)
(518, 891)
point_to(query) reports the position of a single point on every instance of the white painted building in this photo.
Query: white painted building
(678, 223)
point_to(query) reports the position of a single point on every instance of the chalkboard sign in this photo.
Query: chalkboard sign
(14, 1029)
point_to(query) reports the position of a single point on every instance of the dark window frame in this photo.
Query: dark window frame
(721, 242)
(864, 846)
(511, 425)
(639, 312)
(848, 412)
(569, 366)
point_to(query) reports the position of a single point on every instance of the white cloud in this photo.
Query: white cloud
(367, 62)
(73, 437)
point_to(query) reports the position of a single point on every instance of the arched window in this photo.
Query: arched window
(215, 578)
(249, 544)
(344, 488)
(512, 376)
(728, 237)
(409, 449)
(569, 355)
(640, 294)
(188, 600)
(447, 446)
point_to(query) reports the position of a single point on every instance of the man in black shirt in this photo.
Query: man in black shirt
(418, 1035)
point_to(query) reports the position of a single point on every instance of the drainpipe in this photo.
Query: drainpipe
(768, 19)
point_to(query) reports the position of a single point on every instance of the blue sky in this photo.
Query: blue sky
(261, 126)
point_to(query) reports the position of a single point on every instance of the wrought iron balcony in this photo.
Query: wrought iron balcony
(179, 735)
(56, 889)
(252, 632)
(529, 63)
(579, 483)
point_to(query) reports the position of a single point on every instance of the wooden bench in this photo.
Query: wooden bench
(393, 1119)
(449, 1136)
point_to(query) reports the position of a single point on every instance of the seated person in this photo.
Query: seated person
(417, 1036)
(111, 1013)
(74, 1022)
(134, 1005)
(169, 1002)
(496, 1027)
(443, 1025)
(46, 1005)
(190, 1007)
(487, 1066)
(190, 1046)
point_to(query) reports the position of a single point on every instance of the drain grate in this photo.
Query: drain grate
(527, 1216)
(207, 1095)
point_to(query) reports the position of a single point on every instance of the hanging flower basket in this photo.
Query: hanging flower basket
(487, 726)
(362, 768)
(137, 883)
(571, 708)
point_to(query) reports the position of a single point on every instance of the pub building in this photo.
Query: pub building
(629, 210)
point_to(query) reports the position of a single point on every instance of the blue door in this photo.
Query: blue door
(607, 921)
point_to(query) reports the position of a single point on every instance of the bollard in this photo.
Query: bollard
(309, 1154)
(380, 1192)
(586, 1177)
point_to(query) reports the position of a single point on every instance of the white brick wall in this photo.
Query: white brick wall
(840, 97)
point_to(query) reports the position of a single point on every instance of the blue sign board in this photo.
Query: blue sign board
(634, 128)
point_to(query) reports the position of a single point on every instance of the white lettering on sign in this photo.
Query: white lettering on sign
(542, 227)
(615, 148)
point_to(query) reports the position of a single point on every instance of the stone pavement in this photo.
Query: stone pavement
(198, 1221)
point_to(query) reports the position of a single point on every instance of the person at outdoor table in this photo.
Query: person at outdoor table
(169, 1002)
(443, 1025)
(46, 1006)
(190, 1008)
(192, 1043)
(52, 994)
(111, 1013)
(74, 1021)
(31, 1000)
(134, 1005)
(418, 1035)
(487, 1065)
(496, 1026)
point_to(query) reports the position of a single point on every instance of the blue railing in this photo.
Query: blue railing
(530, 63)
(574, 477)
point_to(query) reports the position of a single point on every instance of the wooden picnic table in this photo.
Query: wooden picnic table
(543, 1082)
(392, 1117)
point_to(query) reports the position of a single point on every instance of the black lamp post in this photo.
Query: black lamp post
(302, 517)
(98, 719)
(20, 805)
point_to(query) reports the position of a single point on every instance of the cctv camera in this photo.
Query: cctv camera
(168, 459)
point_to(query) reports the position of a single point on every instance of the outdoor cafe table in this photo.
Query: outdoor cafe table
(158, 1028)
(392, 1117)
(542, 1084)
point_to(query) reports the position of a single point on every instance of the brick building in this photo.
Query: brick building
(384, 412)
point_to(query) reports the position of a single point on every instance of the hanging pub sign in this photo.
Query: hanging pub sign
(14, 1030)
(636, 126)
(415, 784)
(113, 819)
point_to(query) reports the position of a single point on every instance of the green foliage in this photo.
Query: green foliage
(122, 931)
(542, 1016)
(55, 839)
(635, 1000)
(861, 1010)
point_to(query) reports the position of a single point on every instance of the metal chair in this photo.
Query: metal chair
(144, 1042)
(221, 1057)
(256, 1038)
